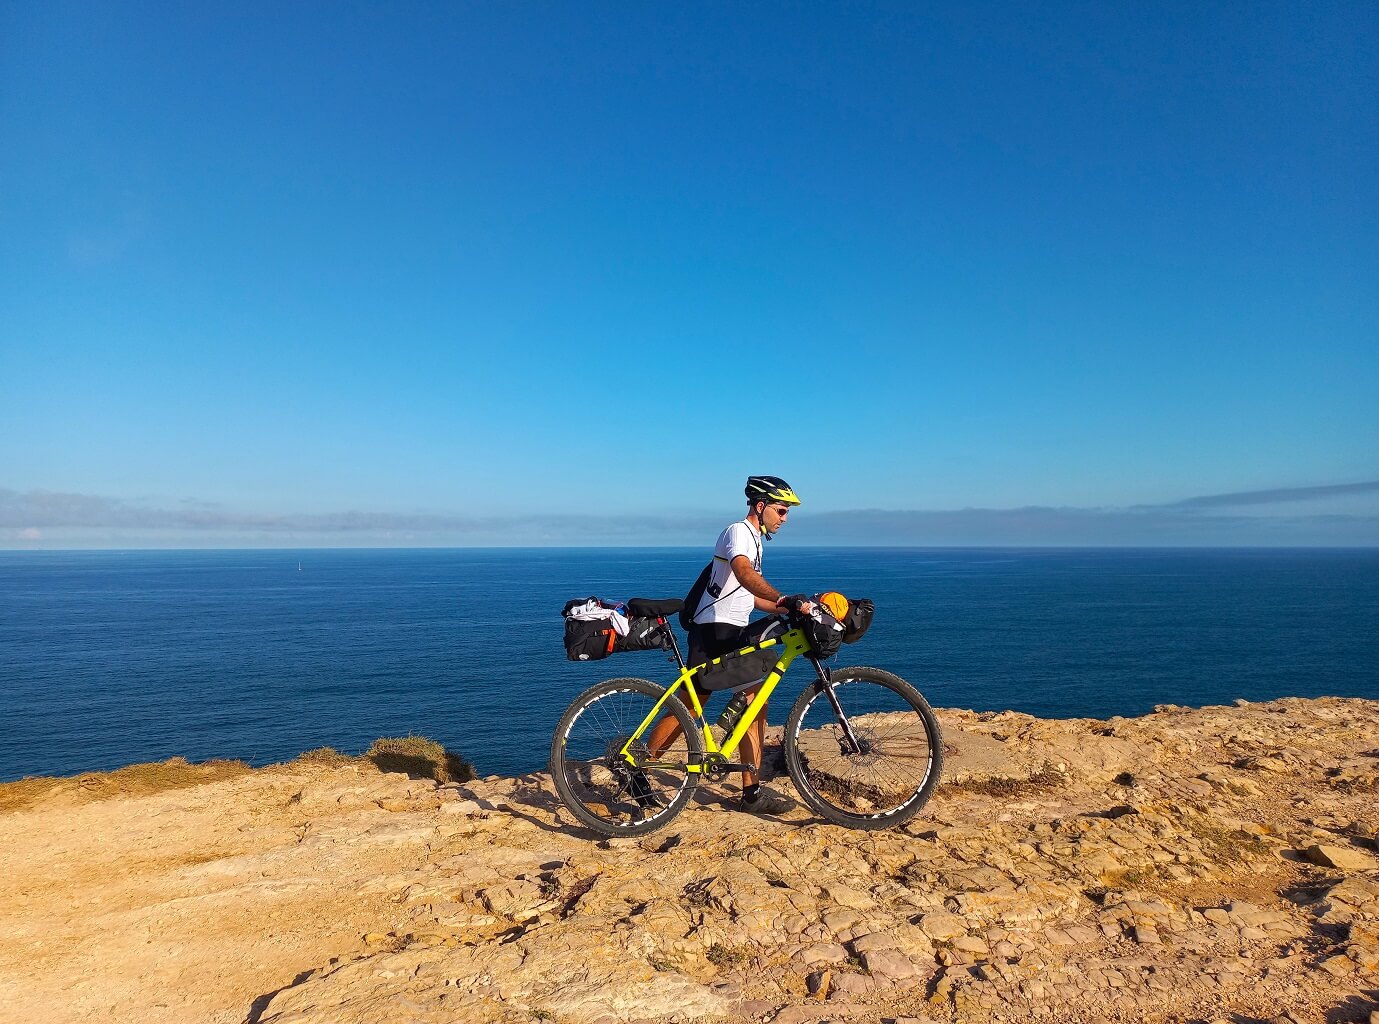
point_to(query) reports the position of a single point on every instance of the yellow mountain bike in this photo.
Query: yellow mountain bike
(861, 745)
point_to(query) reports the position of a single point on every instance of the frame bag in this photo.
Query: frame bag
(735, 669)
(747, 664)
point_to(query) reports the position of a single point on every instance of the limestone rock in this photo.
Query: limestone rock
(1341, 858)
(942, 926)
(1090, 871)
(889, 965)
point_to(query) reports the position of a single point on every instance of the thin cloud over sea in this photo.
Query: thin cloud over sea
(52, 519)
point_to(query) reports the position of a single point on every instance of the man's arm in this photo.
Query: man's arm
(755, 584)
(764, 596)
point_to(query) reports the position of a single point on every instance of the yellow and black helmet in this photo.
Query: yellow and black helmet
(770, 488)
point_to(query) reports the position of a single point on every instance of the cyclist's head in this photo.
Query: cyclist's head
(770, 498)
(770, 488)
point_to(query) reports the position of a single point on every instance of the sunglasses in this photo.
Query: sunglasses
(782, 510)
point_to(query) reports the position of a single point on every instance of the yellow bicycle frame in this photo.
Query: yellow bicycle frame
(793, 643)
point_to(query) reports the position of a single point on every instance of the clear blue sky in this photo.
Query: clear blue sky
(434, 263)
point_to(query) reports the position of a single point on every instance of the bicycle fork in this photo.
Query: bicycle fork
(826, 681)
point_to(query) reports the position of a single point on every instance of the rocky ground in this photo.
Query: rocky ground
(1214, 864)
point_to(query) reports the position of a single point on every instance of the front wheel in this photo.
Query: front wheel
(599, 786)
(876, 765)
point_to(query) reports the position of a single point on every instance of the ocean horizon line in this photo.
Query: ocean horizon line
(695, 547)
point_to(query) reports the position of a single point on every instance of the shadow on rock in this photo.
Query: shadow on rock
(260, 1004)
(1354, 1008)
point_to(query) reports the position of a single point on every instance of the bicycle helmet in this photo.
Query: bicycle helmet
(770, 488)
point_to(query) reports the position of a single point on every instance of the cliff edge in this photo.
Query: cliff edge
(1213, 864)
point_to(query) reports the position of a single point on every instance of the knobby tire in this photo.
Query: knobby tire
(887, 784)
(594, 786)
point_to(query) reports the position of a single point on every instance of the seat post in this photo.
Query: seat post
(674, 644)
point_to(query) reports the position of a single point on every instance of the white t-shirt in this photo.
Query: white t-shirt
(725, 598)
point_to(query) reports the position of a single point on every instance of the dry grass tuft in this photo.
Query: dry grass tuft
(1231, 847)
(419, 757)
(1046, 780)
(132, 780)
(326, 757)
(725, 957)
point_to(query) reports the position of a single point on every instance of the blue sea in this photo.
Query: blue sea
(109, 658)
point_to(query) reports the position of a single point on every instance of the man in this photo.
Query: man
(735, 588)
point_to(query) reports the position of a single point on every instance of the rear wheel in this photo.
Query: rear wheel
(597, 784)
(883, 778)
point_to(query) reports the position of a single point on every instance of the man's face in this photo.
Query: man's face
(773, 516)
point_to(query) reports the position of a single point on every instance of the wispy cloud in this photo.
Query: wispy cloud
(106, 239)
(48, 518)
(50, 510)
(1276, 496)
(1162, 526)
(57, 509)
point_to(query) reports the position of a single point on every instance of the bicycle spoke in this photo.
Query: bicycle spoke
(597, 780)
(895, 759)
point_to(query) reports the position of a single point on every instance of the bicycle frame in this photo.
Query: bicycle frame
(793, 644)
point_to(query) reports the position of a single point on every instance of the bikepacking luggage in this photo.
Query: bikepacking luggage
(595, 629)
(643, 634)
(823, 629)
(858, 619)
(854, 613)
(746, 665)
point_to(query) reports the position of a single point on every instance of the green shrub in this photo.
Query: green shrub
(724, 956)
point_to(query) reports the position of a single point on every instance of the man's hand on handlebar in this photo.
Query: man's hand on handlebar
(795, 603)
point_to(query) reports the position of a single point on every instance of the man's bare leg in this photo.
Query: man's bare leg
(663, 734)
(667, 730)
(752, 743)
(755, 798)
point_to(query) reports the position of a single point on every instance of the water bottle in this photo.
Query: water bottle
(733, 712)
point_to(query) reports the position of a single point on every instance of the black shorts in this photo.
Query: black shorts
(714, 639)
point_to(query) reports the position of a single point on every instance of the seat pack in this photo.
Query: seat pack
(595, 629)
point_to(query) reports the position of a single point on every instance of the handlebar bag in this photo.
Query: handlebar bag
(825, 633)
(858, 619)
